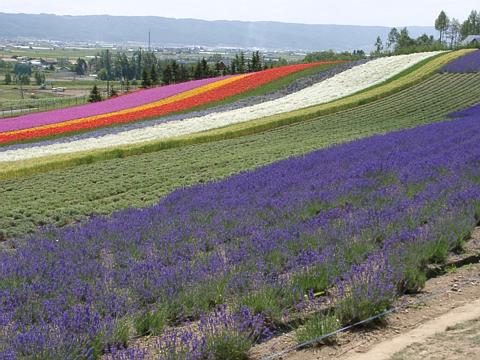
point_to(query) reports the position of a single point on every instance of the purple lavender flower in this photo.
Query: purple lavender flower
(366, 212)
(469, 63)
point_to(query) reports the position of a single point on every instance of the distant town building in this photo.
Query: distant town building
(36, 62)
(49, 62)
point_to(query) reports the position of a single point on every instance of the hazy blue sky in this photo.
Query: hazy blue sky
(358, 12)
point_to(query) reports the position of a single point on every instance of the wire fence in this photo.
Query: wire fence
(18, 108)
(418, 301)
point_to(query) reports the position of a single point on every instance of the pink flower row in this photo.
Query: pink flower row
(123, 102)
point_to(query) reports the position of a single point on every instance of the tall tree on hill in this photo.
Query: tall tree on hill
(241, 63)
(378, 46)
(441, 24)
(205, 69)
(183, 74)
(146, 80)
(197, 72)
(404, 40)
(471, 26)
(393, 37)
(175, 70)
(94, 95)
(81, 66)
(167, 77)
(256, 64)
(153, 75)
(233, 67)
(453, 33)
(137, 60)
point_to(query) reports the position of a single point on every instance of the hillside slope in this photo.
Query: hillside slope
(140, 180)
(185, 32)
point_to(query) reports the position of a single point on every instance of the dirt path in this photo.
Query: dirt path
(418, 336)
(447, 300)
(460, 342)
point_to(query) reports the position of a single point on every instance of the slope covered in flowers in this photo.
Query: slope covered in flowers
(137, 98)
(175, 98)
(341, 85)
(469, 63)
(364, 217)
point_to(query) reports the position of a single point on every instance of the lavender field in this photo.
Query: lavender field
(466, 64)
(238, 257)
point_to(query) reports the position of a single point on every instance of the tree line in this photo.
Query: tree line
(451, 33)
(145, 67)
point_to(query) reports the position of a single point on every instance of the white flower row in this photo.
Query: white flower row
(346, 83)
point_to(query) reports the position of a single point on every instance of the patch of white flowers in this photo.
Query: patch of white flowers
(346, 83)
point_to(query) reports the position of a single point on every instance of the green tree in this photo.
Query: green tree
(441, 24)
(205, 69)
(378, 46)
(404, 40)
(233, 67)
(392, 39)
(256, 63)
(81, 67)
(175, 70)
(453, 33)
(94, 95)
(8, 78)
(424, 41)
(112, 92)
(197, 72)
(241, 63)
(146, 80)
(154, 75)
(103, 74)
(471, 26)
(24, 79)
(22, 69)
(183, 74)
(39, 78)
(167, 74)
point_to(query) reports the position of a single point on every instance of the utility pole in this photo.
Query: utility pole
(149, 38)
(108, 72)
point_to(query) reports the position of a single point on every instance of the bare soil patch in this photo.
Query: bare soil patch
(458, 342)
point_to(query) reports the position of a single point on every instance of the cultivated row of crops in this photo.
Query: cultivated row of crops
(141, 180)
(360, 220)
(134, 107)
(346, 83)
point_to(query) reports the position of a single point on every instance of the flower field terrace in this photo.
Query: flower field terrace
(466, 64)
(139, 181)
(47, 125)
(118, 103)
(363, 218)
(351, 81)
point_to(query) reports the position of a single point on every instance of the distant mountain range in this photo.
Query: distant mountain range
(188, 32)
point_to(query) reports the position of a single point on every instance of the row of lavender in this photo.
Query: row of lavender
(360, 219)
(469, 63)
